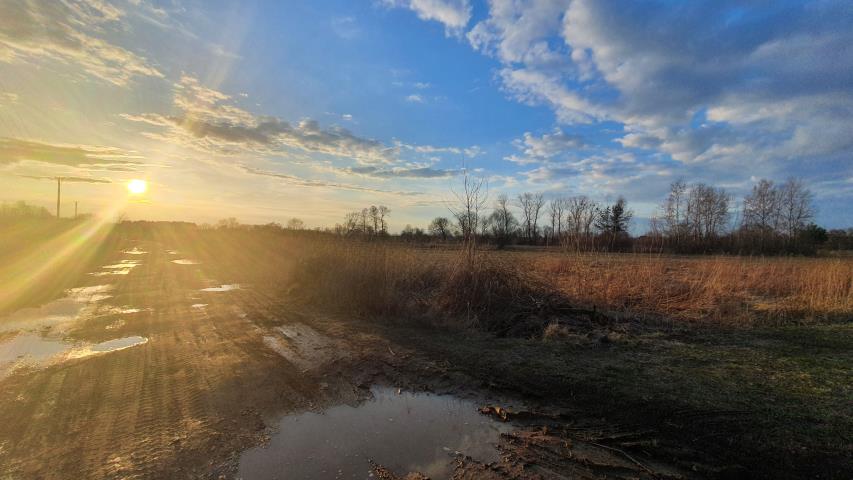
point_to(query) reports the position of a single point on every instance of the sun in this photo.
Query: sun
(137, 187)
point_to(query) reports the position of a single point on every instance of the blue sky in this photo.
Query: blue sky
(273, 109)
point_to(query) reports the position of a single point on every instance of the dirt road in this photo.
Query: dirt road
(179, 402)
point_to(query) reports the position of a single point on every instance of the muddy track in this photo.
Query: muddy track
(175, 406)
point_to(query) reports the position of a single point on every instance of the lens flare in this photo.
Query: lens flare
(137, 187)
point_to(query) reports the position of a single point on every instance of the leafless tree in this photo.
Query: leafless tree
(503, 222)
(675, 209)
(295, 224)
(440, 227)
(469, 202)
(581, 212)
(795, 207)
(556, 210)
(761, 207)
(383, 212)
(531, 205)
(707, 211)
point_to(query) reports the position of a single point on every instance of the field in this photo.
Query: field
(624, 366)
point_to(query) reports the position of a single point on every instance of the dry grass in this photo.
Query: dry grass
(520, 292)
(437, 287)
(732, 290)
(499, 288)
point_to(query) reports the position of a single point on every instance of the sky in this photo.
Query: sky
(268, 110)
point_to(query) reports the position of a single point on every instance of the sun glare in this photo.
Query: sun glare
(137, 187)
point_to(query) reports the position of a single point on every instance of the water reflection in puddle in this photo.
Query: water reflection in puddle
(198, 305)
(122, 268)
(123, 264)
(403, 432)
(222, 288)
(135, 251)
(31, 350)
(35, 337)
(185, 261)
(108, 346)
(77, 302)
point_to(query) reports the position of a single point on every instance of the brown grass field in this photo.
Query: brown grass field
(709, 290)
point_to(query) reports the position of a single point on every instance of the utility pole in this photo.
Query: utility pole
(75, 209)
(58, 194)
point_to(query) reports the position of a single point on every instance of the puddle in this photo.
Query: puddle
(124, 271)
(222, 288)
(108, 346)
(172, 252)
(76, 303)
(198, 305)
(185, 261)
(123, 310)
(123, 264)
(122, 268)
(31, 350)
(36, 335)
(404, 432)
(135, 251)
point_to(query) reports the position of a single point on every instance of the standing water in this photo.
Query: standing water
(404, 432)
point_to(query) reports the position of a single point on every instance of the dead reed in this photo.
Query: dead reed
(734, 290)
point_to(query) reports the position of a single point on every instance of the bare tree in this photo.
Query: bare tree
(531, 204)
(556, 210)
(383, 225)
(581, 212)
(761, 207)
(795, 207)
(373, 213)
(470, 200)
(440, 227)
(675, 209)
(707, 211)
(295, 224)
(503, 222)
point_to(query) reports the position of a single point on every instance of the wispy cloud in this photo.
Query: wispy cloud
(346, 27)
(210, 121)
(399, 172)
(14, 150)
(68, 32)
(302, 182)
(69, 179)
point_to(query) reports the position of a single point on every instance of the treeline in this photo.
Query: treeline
(773, 219)
(693, 218)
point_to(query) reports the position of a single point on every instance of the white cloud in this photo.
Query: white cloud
(541, 149)
(415, 98)
(453, 14)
